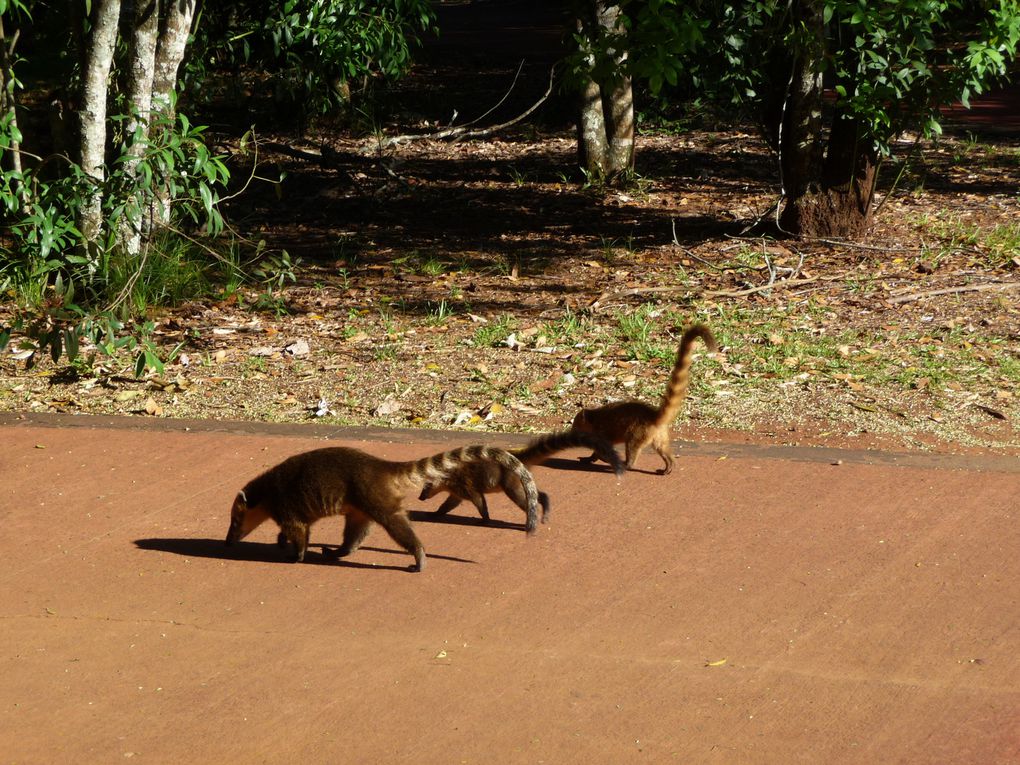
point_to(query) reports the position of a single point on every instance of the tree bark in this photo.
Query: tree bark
(828, 186)
(173, 40)
(605, 141)
(92, 136)
(841, 206)
(141, 72)
(617, 94)
(592, 143)
(9, 104)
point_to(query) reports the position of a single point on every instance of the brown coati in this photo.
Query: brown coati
(366, 489)
(473, 480)
(636, 424)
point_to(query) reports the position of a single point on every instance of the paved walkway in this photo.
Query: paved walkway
(758, 605)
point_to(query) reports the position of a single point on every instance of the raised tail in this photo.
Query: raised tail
(546, 446)
(680, 376)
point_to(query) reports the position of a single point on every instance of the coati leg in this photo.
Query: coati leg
(516, 493)
(399, 528)
(661, 446)
(448, 504)
(296, 533)
(632, 450)
(356, 528)
(479, 502)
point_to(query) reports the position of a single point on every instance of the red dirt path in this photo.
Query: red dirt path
(761, 604)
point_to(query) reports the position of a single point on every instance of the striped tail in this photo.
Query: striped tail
(546, 446)
(679, 379)
(438, 467)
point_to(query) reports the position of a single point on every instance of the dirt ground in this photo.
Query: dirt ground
(761, 604)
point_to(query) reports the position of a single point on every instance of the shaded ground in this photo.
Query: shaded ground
(735, 613)
(477, 285)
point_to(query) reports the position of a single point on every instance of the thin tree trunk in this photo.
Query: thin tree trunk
(618, 95)
(141, 72)
(620, 130)
(99, 59)
(173, 41)
(605, 128)
(592, 144)
(800, 127)
(9, 104)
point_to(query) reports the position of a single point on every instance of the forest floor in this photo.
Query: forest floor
(476, 285)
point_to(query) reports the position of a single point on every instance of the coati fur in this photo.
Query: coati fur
(473, 480)
(365, 489)
(637, 424)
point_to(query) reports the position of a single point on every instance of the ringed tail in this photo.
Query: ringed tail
(679, 378)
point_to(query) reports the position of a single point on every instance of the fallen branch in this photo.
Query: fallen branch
(752, 290)
(951, 290)
(464, 131)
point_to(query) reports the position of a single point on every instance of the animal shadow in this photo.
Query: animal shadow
(268, 552)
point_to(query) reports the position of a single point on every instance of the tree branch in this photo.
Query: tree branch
(463, 131)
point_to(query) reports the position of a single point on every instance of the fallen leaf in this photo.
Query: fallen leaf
(151, 407)
(388, 406)
(718, 663)
(298, 348)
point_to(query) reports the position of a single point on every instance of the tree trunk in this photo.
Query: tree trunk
(841, 206)
(99, 59)
(592, 143)
(617, 94)
(605, 127)
(828, 193)
(173, 40)
(9, 104)
(141, 72)
(799, 138)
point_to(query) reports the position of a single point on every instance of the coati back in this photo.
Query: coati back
(637, 424)
(365, 489)
(473, 480)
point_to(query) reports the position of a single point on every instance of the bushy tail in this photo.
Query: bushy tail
(436, 468)
(546, 446)
(680, 376)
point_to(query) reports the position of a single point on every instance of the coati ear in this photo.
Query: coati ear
(242, 497)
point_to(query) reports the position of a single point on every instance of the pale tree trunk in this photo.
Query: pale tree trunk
(173, 41)
(141, 72)
(617, 94)
(606, 118)
(592, 142)
(99, 59)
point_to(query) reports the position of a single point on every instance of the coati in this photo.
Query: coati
(343, 481)
(637, 424)
(473, 480)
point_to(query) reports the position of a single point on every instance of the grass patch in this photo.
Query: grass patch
(496, 331)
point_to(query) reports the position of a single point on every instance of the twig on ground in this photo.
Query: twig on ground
(951, 290)
(463, 131)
